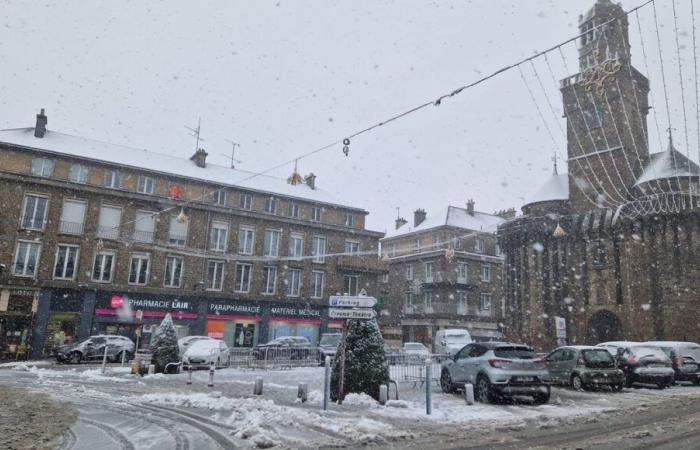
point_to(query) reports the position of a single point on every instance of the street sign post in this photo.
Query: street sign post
(346, 313)
(339, 301)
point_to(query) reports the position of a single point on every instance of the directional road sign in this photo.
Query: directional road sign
(338, 313)
(343, 301)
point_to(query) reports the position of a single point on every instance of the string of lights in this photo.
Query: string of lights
(695, 71)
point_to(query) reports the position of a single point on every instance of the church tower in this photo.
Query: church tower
(606, 106)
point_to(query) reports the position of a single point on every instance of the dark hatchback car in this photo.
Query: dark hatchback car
(93, 348)
(284, 347)
(685, 359)
(642, 363)
(584, 367)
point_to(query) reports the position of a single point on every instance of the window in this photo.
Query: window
(271, 205)
(293, 210)
(26, 259)
(497, 250)
(317, 281)
(385, 277)
(392, 249)
(349, 219)
(246, 201)
(177, 232)
(34, 212)
(218, 236)
(316, 214)
(416, 246)
(113, 179)
(72, 217)
(462, 271)
(293, 282)
(242, 277)
(139, 269)
(103, 267)
(485, 302)
(218, 197)
(436, 241)
(144, 226)
(454, 243)
(461, 302)
(296, 245)
(66, 261)
(145, 185)
(428, 271)
(409, 272)
(428, 301)
(319, 249)
(269, 280)
(215, 275)
(246, 240)
(42, 167)
(409, 299)
(479, 246)
(78, 173)
(108, 222)
(352, 248)
(173, 272)
(485, 272)
(592, 118)
(272, 243)
(350, 284)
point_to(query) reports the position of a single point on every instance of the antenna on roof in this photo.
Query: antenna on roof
(196, 133)
(233, 153)
(554, 159)
(398, 214)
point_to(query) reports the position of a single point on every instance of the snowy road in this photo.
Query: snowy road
(120, 411)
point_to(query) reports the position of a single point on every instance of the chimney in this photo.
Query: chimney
(310, 180)
(41, 121)
(200, 158)
(470, 207)
(418, 217)
(400, 221)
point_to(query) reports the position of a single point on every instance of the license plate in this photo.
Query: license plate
(524, 379)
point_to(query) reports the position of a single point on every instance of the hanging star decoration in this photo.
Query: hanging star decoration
(596, 77)
(295, 178)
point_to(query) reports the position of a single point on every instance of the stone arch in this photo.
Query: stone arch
(604, 326)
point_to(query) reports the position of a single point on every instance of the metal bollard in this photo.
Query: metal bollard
(123, 357)
(303, 392)
(327, 383)
(211, 375)
(189, 375)
(383, 394)
(258, 388)
(151, 369)
(104, 360)
(469, 393)
(428, 398)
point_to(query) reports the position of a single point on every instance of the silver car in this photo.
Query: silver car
(497, 369)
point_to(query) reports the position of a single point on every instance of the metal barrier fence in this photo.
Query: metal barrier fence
(275, 357)
(406, 368)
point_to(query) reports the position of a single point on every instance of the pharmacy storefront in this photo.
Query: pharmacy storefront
(286, 320)
(237, 324)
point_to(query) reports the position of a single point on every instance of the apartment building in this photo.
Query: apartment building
(88, 227)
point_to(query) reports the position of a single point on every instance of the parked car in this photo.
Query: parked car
(185, 343)
(642, 363)
(205, 352)
(415, 348)
(328, 346)
(451, 340)
(584, 367)
(497, 369)
(685, 359)
(284, 347)
(93, 348)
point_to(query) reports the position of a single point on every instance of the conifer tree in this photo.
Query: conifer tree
(164, 346)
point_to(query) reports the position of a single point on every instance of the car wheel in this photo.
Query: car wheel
(662, 386)
(697, 381)
(75, 358)
(484, 392)
(542, 397)
(628, 381)
(616, 387)
(446, 382)
(577, 383)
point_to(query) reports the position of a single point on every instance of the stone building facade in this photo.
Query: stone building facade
(610, 251)
(445, 271)
(87, 225)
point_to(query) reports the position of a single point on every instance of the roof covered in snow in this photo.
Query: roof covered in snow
(555, 188)
(66, 144)
(668, 164)
(454, 217)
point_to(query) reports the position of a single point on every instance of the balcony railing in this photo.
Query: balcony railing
(448, 277)
(143, 236)
(108, 232)
(66, 227)
(370, 264)
(446, 309)
(177, 240)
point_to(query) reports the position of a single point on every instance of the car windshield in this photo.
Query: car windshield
(410, 346)
(515, 352)
(598, 358)
(330, 340)
(204, 344)
(457, 339)
(643, 352)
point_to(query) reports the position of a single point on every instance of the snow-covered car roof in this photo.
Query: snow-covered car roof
(205, 344)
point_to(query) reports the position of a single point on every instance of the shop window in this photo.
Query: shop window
(218, 197)
(145, 185)
(486, 273)
(78, 173)
(218, 236)
(72, 217)
(113, 179)
(349, 219)
(177, 232)
(316, 214)
(271, 205)
(296, 245)
(103, 267)
(34, 212)
(243, 277)
(246, 201)
(66, 262)
(109, 222)
(269, 280)
(215, 275)
(293, 282)
(352, 248)
(144, 226)
(26, 259)
(350, 284)
(139, 267)
(246, 240)
(173, 271)
(319, 249)
(293, 210)
(272, 243)
(317, 282)
(42, 167)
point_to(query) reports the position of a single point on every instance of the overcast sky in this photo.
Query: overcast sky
(285, 77)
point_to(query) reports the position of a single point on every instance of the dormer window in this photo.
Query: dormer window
(294, 210)
(271, 205)
(42, 167)
(349, 219)
(219, 197)
(145, 185)
(78, 173)
(113, 179)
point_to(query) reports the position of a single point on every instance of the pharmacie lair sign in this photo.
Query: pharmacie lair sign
(151, 303)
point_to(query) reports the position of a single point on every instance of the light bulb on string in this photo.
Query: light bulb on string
(182, 217)
(346, 146)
